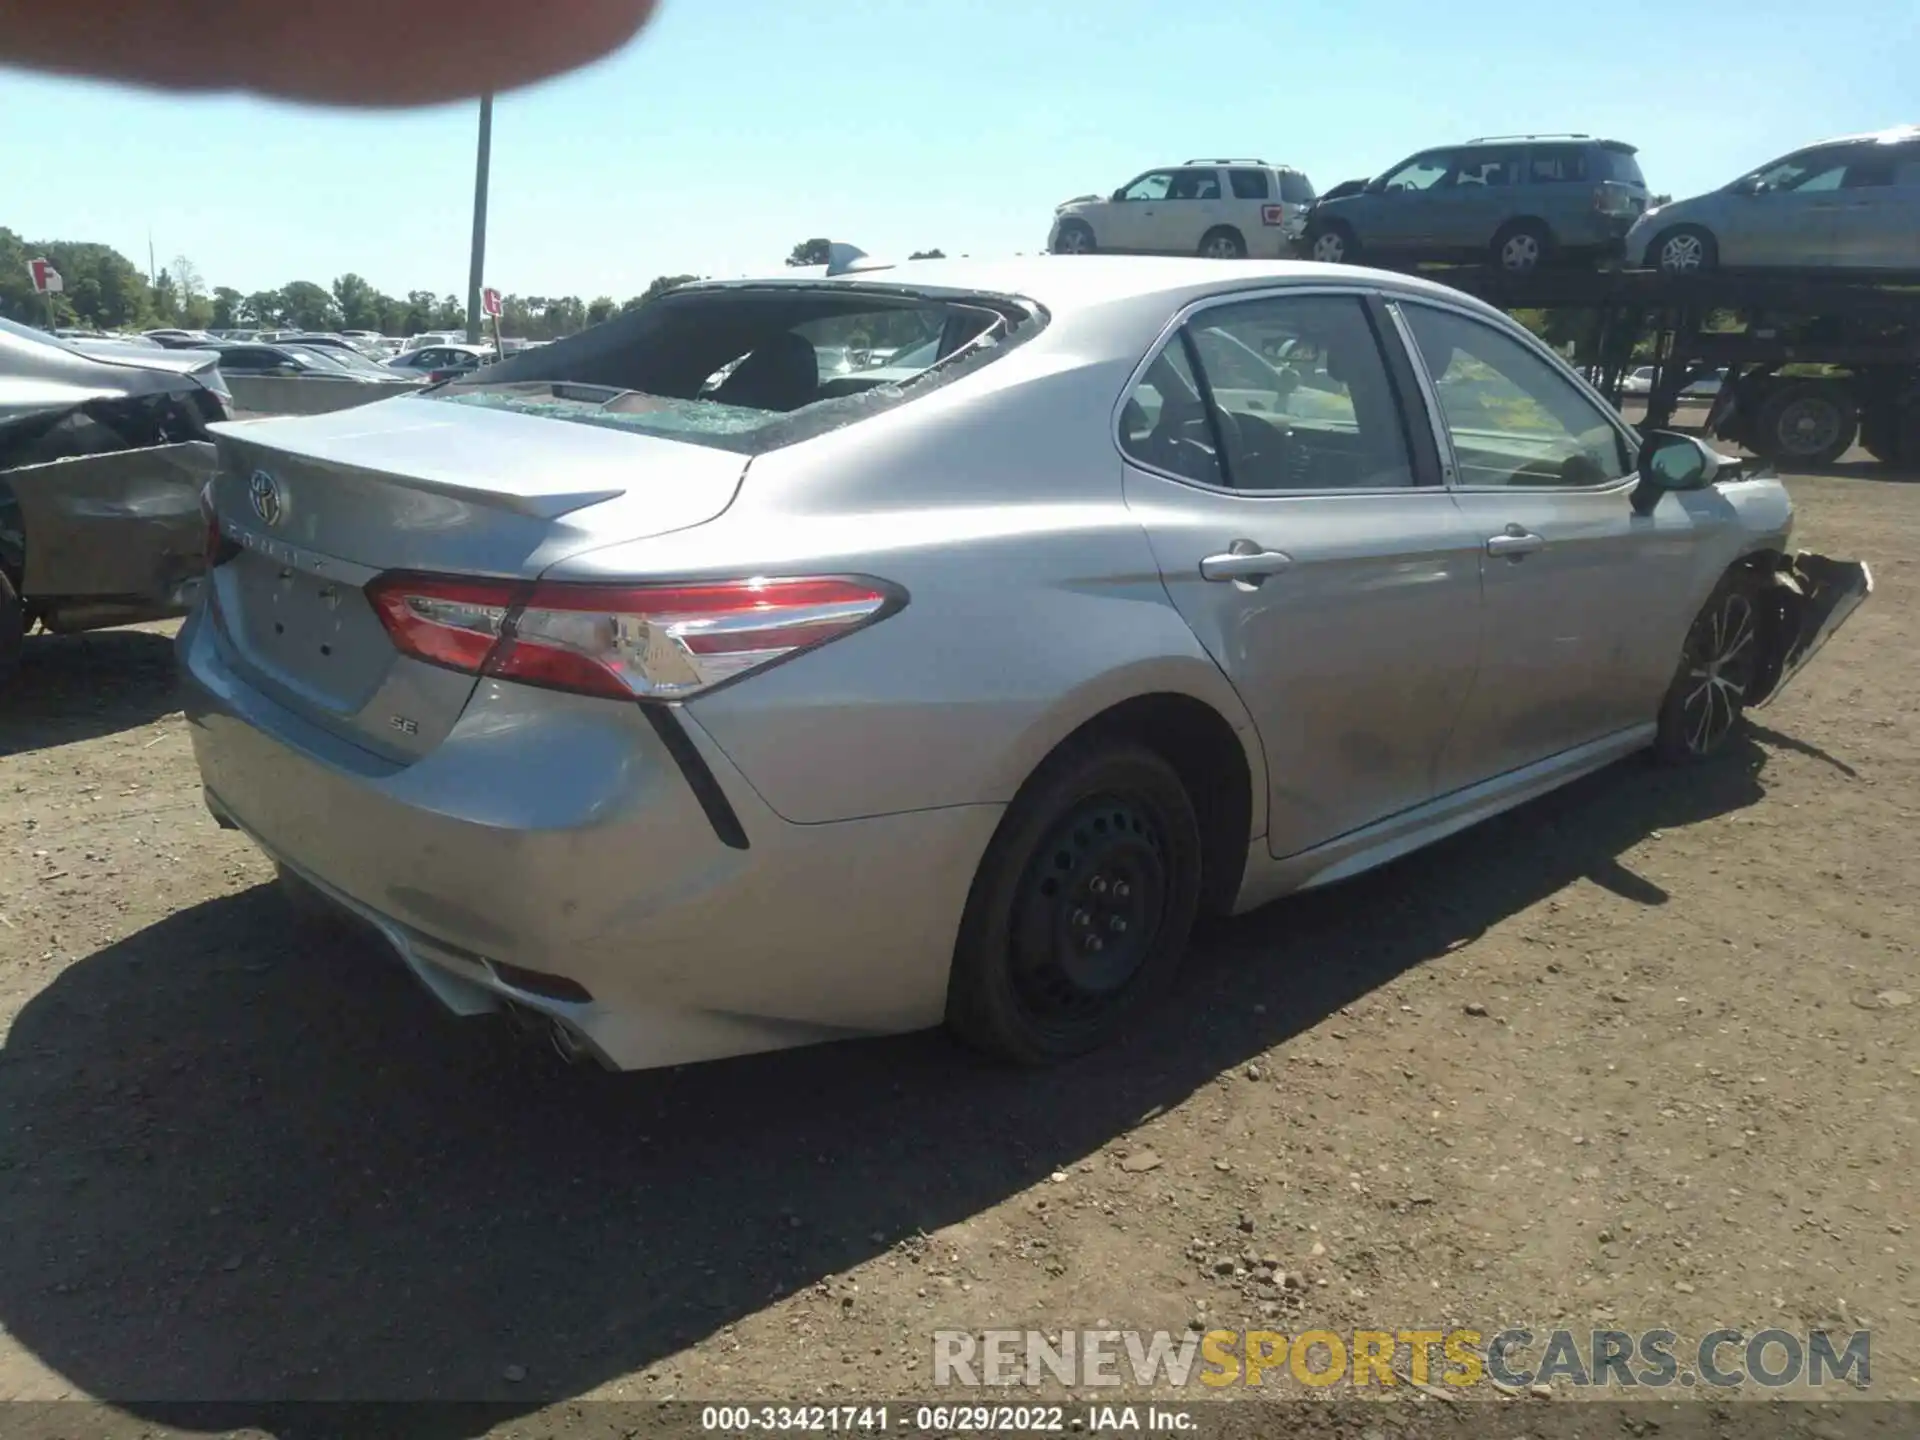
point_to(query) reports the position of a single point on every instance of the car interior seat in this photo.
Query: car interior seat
(781, 374)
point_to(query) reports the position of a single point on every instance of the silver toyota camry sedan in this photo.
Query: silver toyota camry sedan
(692, 697)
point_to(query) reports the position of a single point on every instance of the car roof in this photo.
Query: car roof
(1065, 283)
(1892, 135)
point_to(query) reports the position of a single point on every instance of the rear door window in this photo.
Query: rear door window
(1195, 185)
(1250, 184)
(1557, 164)
(1302, 394)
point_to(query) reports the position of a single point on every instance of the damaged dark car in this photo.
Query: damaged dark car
(104, 452)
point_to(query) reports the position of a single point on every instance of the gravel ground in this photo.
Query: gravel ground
(1640, 1054)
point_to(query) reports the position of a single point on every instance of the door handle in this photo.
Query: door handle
(1244, 561)
(1515, 542)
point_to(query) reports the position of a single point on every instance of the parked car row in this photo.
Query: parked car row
(1522, 201)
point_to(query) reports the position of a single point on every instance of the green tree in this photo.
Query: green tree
(263, 308)
(225, 308)
(308, 306)
(361, 306)
(601, 310)
(928, 255)
(166, 299)
(810, 252)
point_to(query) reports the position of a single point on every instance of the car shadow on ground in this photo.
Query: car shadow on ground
(80, 687)
(241, 1166)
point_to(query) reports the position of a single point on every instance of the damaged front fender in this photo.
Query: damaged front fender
(1808, 597)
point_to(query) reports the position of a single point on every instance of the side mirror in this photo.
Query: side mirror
(1670, 461)
(1375, 186)
(1120, 194)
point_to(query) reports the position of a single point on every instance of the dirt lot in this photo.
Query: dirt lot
(1640, 1054)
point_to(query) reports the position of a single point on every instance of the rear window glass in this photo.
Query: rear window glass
(750, 368)
(1295, 189)
(1620, 166)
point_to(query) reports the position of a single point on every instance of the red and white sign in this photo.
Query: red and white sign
(490, 302)
(46, 279)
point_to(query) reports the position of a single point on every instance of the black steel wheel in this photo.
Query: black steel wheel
(1808, 422)
(1082, 906)
(1718, 666)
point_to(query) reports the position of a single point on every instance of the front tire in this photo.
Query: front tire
(1075, 237)
(1684, 250)
(1082, 906)
(1719, 663)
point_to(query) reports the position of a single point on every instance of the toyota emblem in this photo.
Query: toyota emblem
(268, 502)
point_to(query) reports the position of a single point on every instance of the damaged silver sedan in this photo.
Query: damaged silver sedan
(104, 452)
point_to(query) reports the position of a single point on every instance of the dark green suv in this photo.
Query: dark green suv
(1516, 201)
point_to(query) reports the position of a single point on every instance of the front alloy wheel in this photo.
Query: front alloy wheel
(1683, 253)
(1718, 667)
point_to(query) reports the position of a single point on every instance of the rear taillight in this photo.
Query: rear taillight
(661, 642)
(217, 547)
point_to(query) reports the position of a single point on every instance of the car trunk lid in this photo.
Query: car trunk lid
(313, 509)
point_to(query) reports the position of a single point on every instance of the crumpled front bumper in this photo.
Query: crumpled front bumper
(1812, 597)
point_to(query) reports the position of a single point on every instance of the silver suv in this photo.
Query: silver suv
(1223, 209)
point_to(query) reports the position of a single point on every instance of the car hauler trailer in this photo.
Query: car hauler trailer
(1813, 364)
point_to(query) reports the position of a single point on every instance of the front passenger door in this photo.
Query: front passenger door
(1580, 595)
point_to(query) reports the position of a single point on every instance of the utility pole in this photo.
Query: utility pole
(476, 272)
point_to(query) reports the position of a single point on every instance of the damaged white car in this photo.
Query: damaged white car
(104, 451)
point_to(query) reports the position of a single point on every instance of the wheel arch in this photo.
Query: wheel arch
(1187, 713)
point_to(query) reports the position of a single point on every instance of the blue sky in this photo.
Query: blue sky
(733, 128)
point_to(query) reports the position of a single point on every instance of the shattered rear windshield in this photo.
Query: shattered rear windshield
(753, 367)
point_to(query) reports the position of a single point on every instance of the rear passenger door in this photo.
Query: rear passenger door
(1194, 205)
(1300, 528)
(1876, 223)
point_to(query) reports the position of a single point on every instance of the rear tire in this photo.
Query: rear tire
(1522, 247)
(1807, 422)
(1075, 237)
(1081, 908)
(1223, 242)
(1719, 663)
(13, 628)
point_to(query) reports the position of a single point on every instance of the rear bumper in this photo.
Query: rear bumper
(557, 834)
